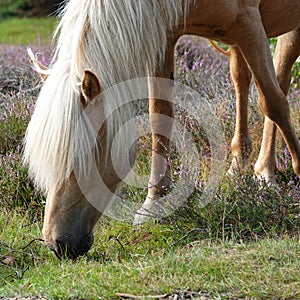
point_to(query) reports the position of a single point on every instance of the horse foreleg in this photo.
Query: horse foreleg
(255, 49)
(161, 113)
(265, 165)
(286, 52)
(241, 145)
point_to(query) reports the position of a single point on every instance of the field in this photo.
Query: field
(244, 244)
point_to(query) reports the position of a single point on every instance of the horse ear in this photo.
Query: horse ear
(38, 66)
(90, 86)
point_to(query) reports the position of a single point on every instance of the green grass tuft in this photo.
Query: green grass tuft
(26, 31)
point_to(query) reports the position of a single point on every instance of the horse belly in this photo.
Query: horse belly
(280, 16)
(207, 21)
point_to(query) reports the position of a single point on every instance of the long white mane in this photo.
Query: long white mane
(117, 40)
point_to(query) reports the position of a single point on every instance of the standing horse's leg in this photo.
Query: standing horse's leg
(286, 53)
(265, 165)
(241, 145)
(161, 122)
(255, 49)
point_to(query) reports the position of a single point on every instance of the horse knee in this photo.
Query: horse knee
(276, 110)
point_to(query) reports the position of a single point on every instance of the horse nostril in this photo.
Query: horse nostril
(59, 249)
(64, 249)
(67, 248)
(56, 250)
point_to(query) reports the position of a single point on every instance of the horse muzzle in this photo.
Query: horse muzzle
(69, 248)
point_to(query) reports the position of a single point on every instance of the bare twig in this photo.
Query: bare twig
(38, 239)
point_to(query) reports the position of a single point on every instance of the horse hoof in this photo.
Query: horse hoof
(269, 181)
(141, 217)
(145, 213)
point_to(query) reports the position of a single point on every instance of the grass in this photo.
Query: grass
(25, 31)
(245, 243)
(145, 261)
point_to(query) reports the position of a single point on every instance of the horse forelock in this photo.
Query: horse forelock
(58, 136)
(118, 41)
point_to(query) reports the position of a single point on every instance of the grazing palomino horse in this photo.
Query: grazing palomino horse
(104, 42)
(286, 52)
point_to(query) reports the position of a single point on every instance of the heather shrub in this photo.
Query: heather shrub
(19, 86)
(243, 210)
